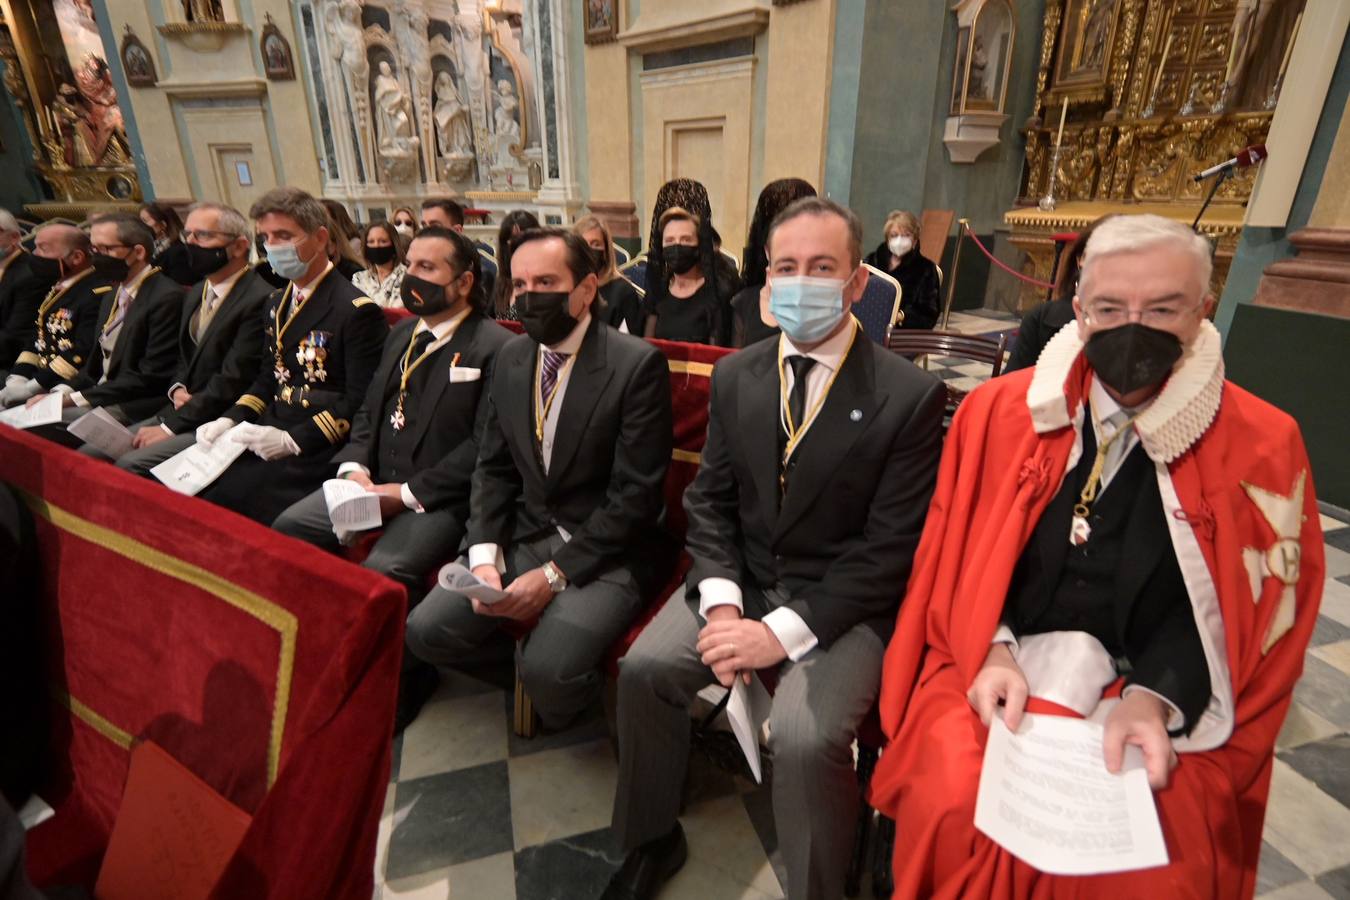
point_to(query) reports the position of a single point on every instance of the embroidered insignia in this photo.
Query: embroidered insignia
(312, 352)
(1281, 560)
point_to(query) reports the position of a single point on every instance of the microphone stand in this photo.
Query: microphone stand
(1222, 176)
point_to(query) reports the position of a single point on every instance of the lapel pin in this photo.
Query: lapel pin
(855, 416)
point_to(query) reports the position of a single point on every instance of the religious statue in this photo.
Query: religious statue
(453, 132)
(393, 127)
(1096, 33)
(1249, 21)
(203, 11)
(469, 30)
(505, 119)
(979, 66)
(347, 44)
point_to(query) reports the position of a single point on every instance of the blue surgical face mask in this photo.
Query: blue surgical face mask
(285, 261)
(807, 309)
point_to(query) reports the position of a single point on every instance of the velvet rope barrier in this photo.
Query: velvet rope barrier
(1007, 268)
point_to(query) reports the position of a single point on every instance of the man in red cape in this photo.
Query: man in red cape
(1207, 682)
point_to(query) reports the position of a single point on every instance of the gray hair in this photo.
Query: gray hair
(229, 220)
(1132, 233)
(307, 212)
(8, 223)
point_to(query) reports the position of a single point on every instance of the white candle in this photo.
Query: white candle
(1157, 79)
(1063, 111)
(1289, 48)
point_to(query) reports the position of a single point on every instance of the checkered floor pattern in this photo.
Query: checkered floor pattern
(475, 813)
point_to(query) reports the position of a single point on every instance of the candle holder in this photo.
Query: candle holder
(1048, 202)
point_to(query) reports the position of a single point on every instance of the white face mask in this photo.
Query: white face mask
(900, 244)
(404, 228)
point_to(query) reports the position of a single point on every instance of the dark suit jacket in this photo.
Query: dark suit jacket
(843, 541)
(446, 428)
(20, 296)
(216, 371)
(67, 326)
(143, 359)
(346, 329)
(610, 454)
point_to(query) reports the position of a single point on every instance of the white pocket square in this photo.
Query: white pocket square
(464, 373)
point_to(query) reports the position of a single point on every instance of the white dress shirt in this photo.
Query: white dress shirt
(443, 332)
(491, 554)
(790, 628)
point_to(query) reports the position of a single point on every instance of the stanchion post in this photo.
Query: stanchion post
(961, 226)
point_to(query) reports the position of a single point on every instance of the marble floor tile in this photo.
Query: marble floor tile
(572, 867)
(723, 849)
(1337, 654)
(1326, 691)
(1328, 631)
(386, 831)
(589, 726)
(1336, 882)
(1324, 764)
(454, 733)
(1275, 871)
(1299, 890)
(395, 757)
(460, 684)
(562, 792)
(1302, 725)
(1338, 538)
(975, 370)
(1304, 824)
(489, 878)
(1338, 562)
(445, 819)
(1336, 601)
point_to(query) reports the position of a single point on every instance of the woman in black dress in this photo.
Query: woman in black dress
(689, 306)
(514, 223)
(751, 321)
(899, 257)
(620, 303)
(719, 279)
(171, 255)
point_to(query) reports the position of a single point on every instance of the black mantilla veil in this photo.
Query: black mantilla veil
(776, 197)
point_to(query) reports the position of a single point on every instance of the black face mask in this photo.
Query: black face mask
(544, 315)
(45, 271)
(199, 262)
(110, 267)
(379, 256)
(1132, 356)
(679, 258)
(424, 298)
(599, 261)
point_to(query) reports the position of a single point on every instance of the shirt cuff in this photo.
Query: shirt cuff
(1004, 635)
(792, 632)
(62, 388)
(1175, 720)
(167, 430)
(718, 592)
(175, 387)
(349, 467)
(78, 399)
(16, 380)
(487, 555)
(406, 495)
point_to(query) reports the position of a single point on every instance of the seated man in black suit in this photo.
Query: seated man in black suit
(20, 293)
(821, 456)
(220, 335)
(322, 341)
(136, 348)
(567, 492)
(415, 439)
(67, 323)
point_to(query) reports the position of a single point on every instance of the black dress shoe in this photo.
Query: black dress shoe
(648, 867)
(415, 687)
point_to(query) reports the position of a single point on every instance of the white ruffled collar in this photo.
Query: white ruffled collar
(1177, 418)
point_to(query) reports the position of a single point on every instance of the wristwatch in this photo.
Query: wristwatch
(556, 580)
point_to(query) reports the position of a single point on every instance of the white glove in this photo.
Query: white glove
(18, 389)
(268, 442)
(207, 434)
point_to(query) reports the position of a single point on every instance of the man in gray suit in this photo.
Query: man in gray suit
(821, 455)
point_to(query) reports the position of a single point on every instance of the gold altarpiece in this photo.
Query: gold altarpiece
(1155, 92)
(57, 73)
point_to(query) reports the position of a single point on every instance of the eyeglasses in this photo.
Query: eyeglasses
(197, 234)
(106, 249)
(1163, 315)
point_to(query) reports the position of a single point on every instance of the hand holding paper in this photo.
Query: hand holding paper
(456, 578)
(100, 430)
(45, 412)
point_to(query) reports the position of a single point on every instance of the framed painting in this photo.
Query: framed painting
(137, 62)
(1086, 37)
(278, 63)
(602, 21)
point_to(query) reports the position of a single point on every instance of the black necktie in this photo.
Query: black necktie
(797, 396)
(420, 344)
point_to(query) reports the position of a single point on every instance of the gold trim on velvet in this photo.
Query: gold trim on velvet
(688, 456)
(86, 715)
(63, 368)
(682, 367)
(260, 608)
